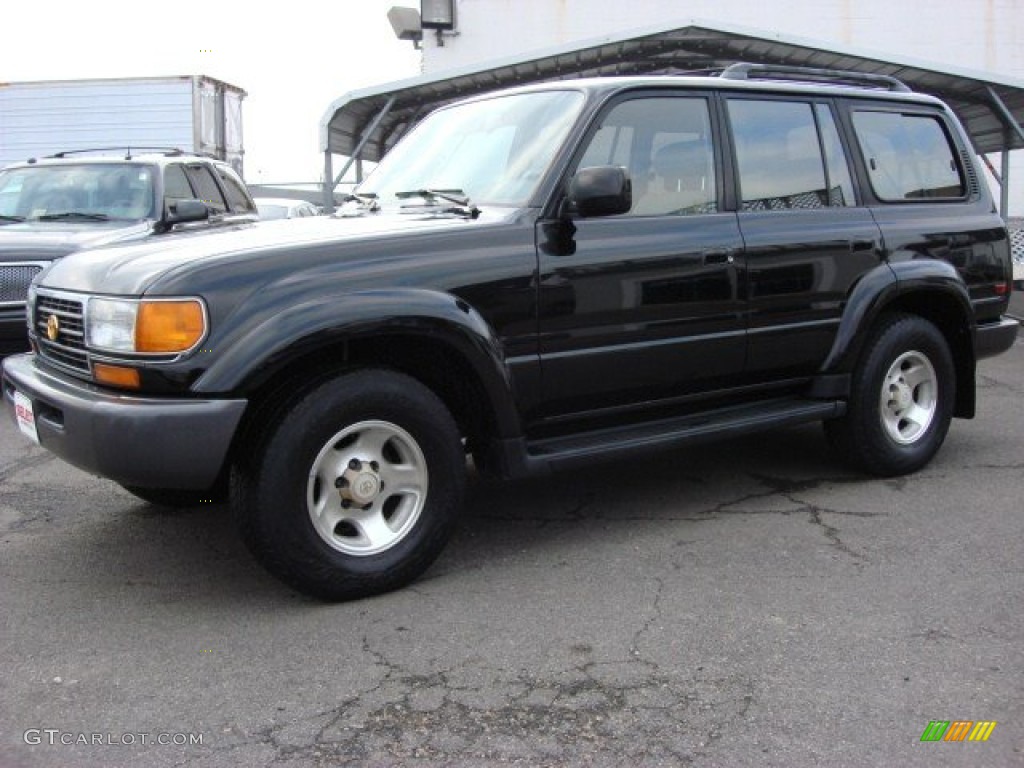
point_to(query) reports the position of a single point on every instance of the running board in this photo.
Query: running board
(557, 453)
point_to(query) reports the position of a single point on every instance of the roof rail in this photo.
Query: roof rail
(170, 151)
(747, 71)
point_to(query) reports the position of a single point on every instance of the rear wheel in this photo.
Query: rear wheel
(355, 488)
(901, 401)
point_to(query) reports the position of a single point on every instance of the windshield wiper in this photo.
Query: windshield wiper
(461, 202)
(366, 199)
(80, 215)
(11, 218)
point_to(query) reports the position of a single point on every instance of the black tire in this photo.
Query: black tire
(354, 489)
(173, 498)
(901, 399)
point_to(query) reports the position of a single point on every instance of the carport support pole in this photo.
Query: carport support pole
(328, 190)
(1004, 188)
(357, 152)
(1012, 124)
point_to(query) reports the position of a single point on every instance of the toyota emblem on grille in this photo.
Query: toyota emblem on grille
(52, 327)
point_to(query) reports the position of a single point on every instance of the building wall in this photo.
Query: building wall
(986, 35)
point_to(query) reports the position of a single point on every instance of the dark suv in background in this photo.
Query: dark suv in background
(53, 206)
(537, 278)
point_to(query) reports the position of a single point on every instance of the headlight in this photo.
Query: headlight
(147, 326)
(30, 306)
(110, 325)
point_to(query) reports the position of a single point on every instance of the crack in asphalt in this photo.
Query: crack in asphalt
(626, 713)
(7, 471)
(617, 711)
(987, 382)
(1014, 466)
(634, 645)
(790, 490)
(787, 488)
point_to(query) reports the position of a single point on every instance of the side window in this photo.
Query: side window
(779, 156)
(237, 197)
(207, 188)
(840, 183)
(908, 157)
(176, 186)
(665, 144)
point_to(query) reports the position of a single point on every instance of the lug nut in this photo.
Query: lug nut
(341, 482)
(355, 465)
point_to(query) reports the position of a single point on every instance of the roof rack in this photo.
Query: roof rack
(747, 71)
(169, 151)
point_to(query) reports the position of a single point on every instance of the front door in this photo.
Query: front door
(645, 307)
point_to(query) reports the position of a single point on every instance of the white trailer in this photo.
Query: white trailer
(193, 113)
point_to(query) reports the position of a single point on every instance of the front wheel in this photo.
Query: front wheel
(901, 400)
(355, 489)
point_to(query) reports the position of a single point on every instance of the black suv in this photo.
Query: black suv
(74, 200)
(535, 278)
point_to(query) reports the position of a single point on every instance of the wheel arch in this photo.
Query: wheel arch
(434, 338)
(932, 290)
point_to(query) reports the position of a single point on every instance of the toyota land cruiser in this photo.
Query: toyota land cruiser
(536, 278)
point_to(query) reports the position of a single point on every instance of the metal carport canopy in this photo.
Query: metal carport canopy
(365, 124)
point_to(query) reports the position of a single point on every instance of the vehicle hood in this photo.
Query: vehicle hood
(132, 269)
(48, 240)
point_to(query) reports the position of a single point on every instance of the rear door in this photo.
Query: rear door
(808, 236)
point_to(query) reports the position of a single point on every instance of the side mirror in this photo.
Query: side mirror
(604, 190)
(187, 210)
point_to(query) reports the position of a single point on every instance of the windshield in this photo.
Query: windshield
(492, 151)
(90, 191)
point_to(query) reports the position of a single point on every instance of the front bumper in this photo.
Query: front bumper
(141, 441)
(995, 338)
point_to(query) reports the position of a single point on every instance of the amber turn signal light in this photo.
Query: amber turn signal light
(116, 375)
(169, 326)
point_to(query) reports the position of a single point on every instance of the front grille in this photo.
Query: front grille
(68, 348)
(14, 280)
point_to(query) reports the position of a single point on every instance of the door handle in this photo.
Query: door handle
(859, 245)
(720, 256)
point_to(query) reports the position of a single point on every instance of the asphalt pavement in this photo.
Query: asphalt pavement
(750, 603)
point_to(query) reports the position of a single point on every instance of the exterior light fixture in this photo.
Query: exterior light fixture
(437, 14)
(406, 24)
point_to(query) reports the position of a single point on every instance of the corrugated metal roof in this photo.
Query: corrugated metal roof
(697, 46)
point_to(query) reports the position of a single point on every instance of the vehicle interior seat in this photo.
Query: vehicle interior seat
(681, 181)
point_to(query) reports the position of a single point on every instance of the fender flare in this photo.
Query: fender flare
(265, 346)
(884, 286)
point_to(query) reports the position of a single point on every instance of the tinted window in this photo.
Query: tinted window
(779, 155)
(665, 143)
(840, 184)
(908, 157)
(237, 197)
(176, 186)
(207, 188)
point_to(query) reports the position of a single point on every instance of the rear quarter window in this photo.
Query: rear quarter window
(908, 156)
(209, 192)
(237, 198)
